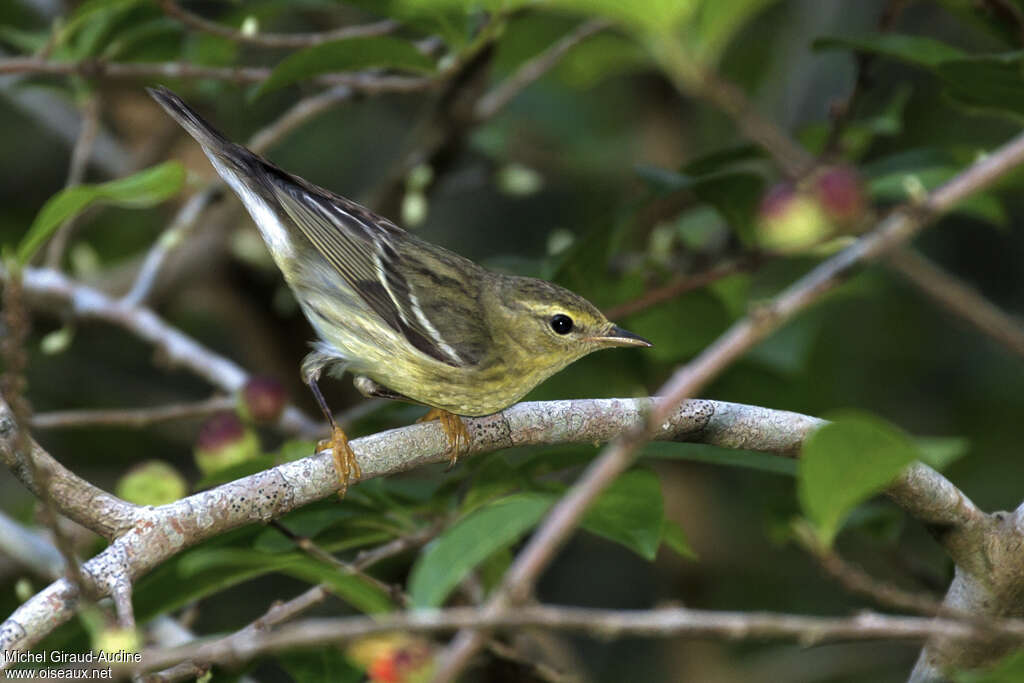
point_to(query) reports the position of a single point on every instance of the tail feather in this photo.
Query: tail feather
(206, 135)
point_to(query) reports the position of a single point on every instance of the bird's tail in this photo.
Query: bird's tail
(206, 135)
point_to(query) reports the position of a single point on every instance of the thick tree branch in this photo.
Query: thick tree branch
(74, 497)
(157, 534)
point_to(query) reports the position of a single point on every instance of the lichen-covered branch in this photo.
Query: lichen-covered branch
(149, 536)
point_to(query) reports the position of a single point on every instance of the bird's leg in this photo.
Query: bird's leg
(344, 458)
(454, 428)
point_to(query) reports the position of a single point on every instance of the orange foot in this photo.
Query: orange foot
(454, 428)
(344, 458)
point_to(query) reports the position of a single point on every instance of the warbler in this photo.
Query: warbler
(410, 320)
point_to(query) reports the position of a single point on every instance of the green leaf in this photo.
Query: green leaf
(917, 50)
(140, 190)
(941, 452)
(715, 455)
(86, 31)
(1009, 669)
(719, 20)
(470, 541)
(987, 82)
(723, 159)
(673, 536)
(651, 17)
(846, 462)
(351, 588)
(139, 36)
(323, 665)
(630, 512)
(735, 195)
(788, 350)
(346, 55)
(494, 478)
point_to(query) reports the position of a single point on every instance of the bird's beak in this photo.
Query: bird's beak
(616, 336)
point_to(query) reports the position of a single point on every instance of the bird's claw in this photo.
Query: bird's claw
(344, 459)
(454, 429)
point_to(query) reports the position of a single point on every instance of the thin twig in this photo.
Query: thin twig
(80, 153)
(299, 113)
(703, 82)
(678, 286)
(841, 112)
(35, 472)
(49, 288)
(131, 417)
(604, 624)
(275, 40)
(959, 298)
(310, 547)
(281, 612)
(859, 582)
(498, 98)
(364, 82)
(556, 529)
(170, 239)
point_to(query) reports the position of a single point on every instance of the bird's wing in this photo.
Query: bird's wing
(364, 249)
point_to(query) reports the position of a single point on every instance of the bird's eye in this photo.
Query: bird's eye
(561, 323)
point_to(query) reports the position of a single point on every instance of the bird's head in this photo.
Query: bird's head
(548, 326)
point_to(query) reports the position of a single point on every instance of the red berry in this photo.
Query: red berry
(220, 430)
(840, 192)
(263, 399)
(776, 201)
(224, 442)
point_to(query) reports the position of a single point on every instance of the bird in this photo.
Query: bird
(410, 320)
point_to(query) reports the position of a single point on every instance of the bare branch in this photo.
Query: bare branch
(364, 82)
(959, 298)
(155, 534)
(131, 417)
(281, 612)
(74, 497)
(699, 81)
(604, 624)
(498, 98)
(48, 288)
(677, 287)
(170, 239)
(80, 153)
(195, 21)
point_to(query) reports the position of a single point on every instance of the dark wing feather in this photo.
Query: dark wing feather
(358, 244)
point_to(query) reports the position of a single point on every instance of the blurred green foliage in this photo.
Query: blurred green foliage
(631, 186)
